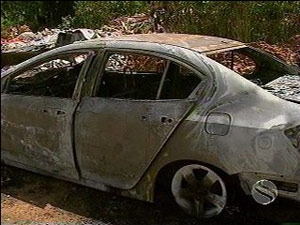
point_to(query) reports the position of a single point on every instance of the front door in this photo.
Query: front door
(37, 116)
(136, 107)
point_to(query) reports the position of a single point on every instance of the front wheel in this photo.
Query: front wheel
(199, 191)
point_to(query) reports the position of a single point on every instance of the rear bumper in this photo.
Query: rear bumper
(287, 187)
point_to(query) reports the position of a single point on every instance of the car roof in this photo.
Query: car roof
(203, 44)
(199, 43)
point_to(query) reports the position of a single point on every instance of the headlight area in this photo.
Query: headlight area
(293, 134)
(287, 187)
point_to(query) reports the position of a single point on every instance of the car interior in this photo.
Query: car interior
(143, 84)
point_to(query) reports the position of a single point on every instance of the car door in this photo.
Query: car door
(37, 115)
(139, 101)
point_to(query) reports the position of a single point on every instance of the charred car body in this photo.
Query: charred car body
(124, 113)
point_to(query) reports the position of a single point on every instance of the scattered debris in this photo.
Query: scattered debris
(138, 24)
(29, 44)
(20, 43)
(29, 41)
(13, 32)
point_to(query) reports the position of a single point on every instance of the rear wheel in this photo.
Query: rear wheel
(199, 191)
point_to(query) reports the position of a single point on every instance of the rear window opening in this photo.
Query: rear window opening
(236, 61)
(254, 64)
(263, 69)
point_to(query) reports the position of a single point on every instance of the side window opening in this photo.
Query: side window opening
(55, 78)
(132, 76)
(179, 82)
(140, 76)
(254, 65)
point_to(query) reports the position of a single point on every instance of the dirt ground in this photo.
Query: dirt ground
(30, 198)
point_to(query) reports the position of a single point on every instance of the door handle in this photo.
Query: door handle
(144, 118)
(166, 120)
(53, 111)
(60, 112)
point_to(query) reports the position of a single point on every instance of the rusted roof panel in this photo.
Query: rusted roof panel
(199, 43)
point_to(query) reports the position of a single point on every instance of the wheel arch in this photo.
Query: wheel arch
(165, 174)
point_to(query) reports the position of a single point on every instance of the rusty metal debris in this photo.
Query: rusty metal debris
(21, 44)
(29, 41)
(28, 44)
(138, 24)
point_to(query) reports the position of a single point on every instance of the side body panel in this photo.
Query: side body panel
(255, 143)
(37, 132)
(117, 139)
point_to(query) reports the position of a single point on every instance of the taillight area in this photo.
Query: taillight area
(294, 135)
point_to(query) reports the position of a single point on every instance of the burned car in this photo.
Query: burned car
(126, 114)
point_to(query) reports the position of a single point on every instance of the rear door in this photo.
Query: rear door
(37, 115)
(139, 102)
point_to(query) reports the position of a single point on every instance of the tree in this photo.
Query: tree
(35, 14)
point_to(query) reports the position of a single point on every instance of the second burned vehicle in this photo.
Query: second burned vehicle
(126, 113)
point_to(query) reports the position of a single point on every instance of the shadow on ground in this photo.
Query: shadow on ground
(115, 210)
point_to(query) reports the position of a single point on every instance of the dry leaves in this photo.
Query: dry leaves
(289, 52)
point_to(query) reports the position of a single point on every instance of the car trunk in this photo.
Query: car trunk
(286, 87)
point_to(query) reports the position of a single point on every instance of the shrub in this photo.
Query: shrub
(272, 21)
(94, 14)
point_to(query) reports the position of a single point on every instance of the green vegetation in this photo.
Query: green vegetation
(35, 14)
(272, 21)
(94, 14)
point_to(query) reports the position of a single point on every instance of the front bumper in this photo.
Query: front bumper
(287, 187)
